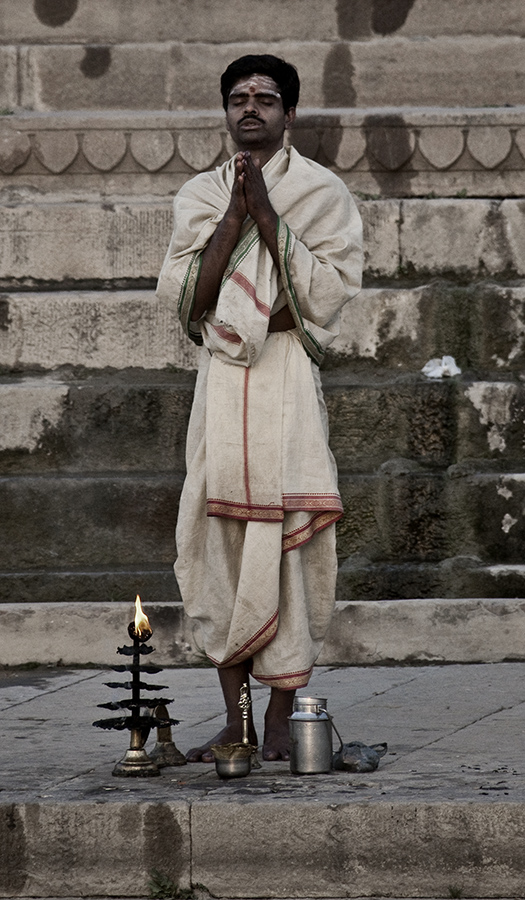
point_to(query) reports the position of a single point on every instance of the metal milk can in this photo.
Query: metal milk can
(310, 736)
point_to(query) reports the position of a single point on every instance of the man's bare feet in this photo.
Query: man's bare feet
(276, 726)
(232, 679)
(230, 734)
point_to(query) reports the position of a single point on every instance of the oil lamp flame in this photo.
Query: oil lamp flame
(142, 625)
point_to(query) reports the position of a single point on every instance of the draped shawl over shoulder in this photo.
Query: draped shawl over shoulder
(319, 240)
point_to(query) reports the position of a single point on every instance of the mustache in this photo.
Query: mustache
(250, 117)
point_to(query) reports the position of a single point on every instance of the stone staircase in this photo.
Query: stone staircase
(104, 118)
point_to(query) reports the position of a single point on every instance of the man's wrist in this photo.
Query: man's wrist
(267, 220)
(233, 220)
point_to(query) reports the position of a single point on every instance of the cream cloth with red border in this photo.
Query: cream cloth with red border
(256, 562)
(266, 442)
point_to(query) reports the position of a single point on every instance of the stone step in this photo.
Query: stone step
(84, 242)
(443, 813)
(136, 421)
(73, 22)
(455, 577)
(398, 328)
(90, 584)
(68, 524)
(403, 515)
(397, 151)
(72, 523)
(362, 633)
(359, 580)
(436, 71)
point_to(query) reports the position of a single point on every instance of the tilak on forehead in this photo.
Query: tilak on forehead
(255, 84)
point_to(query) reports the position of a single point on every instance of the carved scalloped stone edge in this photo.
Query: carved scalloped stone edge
(376, 140)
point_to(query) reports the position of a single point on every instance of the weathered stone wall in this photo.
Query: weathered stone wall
(106, 54)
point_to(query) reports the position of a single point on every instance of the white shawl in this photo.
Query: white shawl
(319, 239)
(265, 428)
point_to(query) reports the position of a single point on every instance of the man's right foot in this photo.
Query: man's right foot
(230, 734)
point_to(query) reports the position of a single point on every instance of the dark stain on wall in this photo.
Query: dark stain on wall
(388, 150)
(96, 62)
(5, 318)
(13, 871)
(358, 19)
(55, 13)
(163, 841)
(390, 15)
(338, 88)
(354, 19)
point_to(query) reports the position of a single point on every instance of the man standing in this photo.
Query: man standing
(265, 252)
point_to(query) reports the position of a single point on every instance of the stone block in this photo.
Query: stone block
(336, 850)
(8, 80)
(128, 423)
(15, 148)
(372, 422)
(113, 846)
(123, 243)
(425, 631)
(97, 76)
(92, 329)
(97, 522)
(79, 633)
(454, 237)
(362, 529)
(362, 580)
(434, 72)
(497, 316)
(68, 242)
(165, 20)
(481, 17)
(155, 584)
(196, 69)
(490, 510)
(414, 514)
(382, 325)
(513, 215)
(491, 418)
(28, 410)
(381, 227)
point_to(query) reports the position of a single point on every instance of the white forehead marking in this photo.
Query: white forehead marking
(256, 82)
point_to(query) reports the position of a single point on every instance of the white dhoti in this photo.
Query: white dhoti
(256, 559)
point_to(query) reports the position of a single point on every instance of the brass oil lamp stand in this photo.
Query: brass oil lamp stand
(136, 762)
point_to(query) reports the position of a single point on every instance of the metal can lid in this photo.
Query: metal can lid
(309, 704)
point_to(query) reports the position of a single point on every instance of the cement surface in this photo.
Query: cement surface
(444, 810)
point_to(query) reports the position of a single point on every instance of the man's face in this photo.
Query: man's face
(255, 116)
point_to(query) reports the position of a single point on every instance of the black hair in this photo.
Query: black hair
(283, 73)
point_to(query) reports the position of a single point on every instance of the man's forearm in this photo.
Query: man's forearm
(267, 224)
(214, 261)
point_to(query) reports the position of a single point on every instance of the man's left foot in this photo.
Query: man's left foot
(276, 726)
(276, 744)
